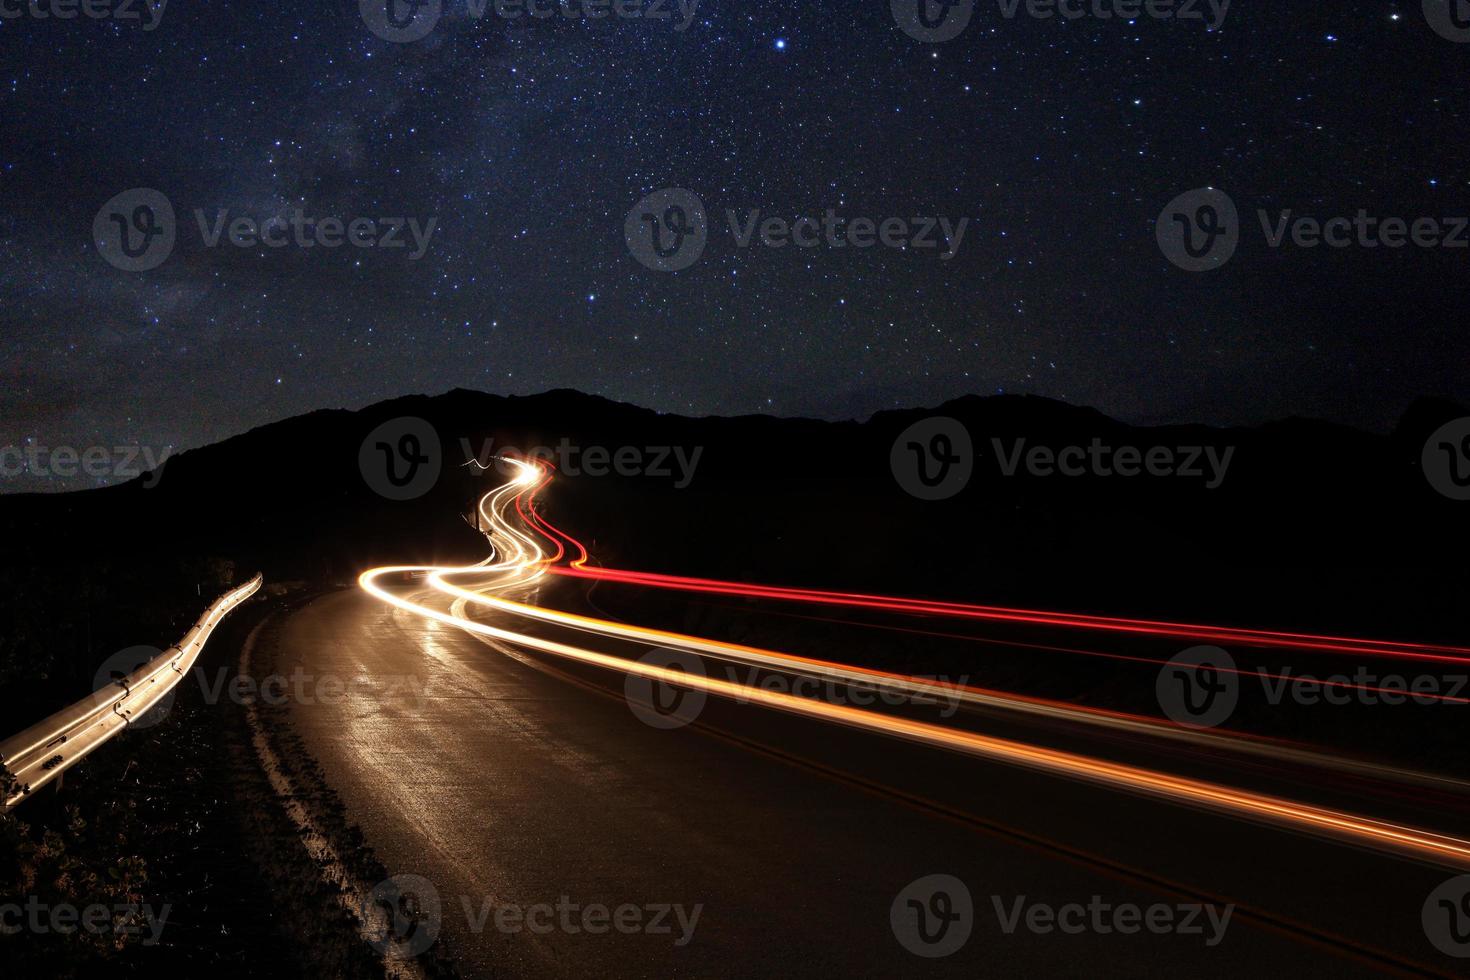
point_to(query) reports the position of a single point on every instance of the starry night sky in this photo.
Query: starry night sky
(530, 141)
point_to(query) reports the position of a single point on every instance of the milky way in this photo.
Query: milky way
(526, 141)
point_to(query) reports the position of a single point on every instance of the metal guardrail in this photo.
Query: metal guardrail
(48, 748)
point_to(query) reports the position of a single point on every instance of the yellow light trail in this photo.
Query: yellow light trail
(523, 562)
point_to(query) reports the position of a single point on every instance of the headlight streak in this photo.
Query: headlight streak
(1239, 742)
(524, 562)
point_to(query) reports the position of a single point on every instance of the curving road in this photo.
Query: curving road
(759, 839)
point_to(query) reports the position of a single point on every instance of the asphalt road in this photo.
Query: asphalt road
(508, 780)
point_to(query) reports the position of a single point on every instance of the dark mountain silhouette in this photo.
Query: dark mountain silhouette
(1314, 525)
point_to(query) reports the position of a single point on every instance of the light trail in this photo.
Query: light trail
(524, 561)
(1378, 835)
(1011, 643)
(1445, 654)
(1034, 617)
(915, 687)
